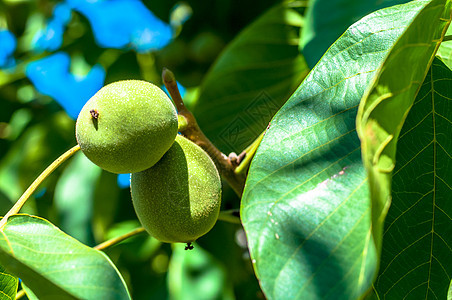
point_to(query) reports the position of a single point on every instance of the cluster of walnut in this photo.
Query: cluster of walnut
(131, 127)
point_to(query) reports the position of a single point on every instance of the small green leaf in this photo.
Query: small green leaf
(53, 264)
(445, 50)
(137, 248)
(74, 194)
(306, 207)
(196, 274)
(8, 285)
(449, 294)
(416, 259)
(35, 149)
(251, 79)
(386, 104)
(28, 292)
(5, 203)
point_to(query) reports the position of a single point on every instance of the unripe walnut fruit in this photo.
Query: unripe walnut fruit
(178, 199)
(127, 126)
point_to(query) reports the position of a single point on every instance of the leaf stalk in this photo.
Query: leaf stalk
(30, 190)
(119, 239)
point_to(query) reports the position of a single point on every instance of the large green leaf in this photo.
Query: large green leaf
(326, 20)
(53, 264)
(306, 207)
(416, 258)
(386, 104)
(8, 285)
(252, 78)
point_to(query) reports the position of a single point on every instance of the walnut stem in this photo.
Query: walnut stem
(192, 131)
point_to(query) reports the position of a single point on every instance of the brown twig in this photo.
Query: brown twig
(192, 131)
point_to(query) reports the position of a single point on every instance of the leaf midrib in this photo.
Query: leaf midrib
(432, 91)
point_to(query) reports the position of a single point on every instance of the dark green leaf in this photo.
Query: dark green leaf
(326, 20)
(250, 81)
(306, 207)
(53, 264)
(416, 259)
(8, 285)
(386, 104)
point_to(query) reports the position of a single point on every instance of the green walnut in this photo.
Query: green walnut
(178, 199)
(127, 126)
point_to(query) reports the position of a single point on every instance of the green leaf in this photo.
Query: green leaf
(53, 264)
(449, 294)
(108, 200)
(74, 195)
(5, 203)
(35, 149)
(326, 20)
(386, 104)
(138, 248)
(445, 50)
(251, 79)
(306, 207)
(8, 285)
(196, 274)
(416, 259)
(28, 292)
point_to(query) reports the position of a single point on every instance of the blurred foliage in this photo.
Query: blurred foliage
(85, 201)
(237, 63)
